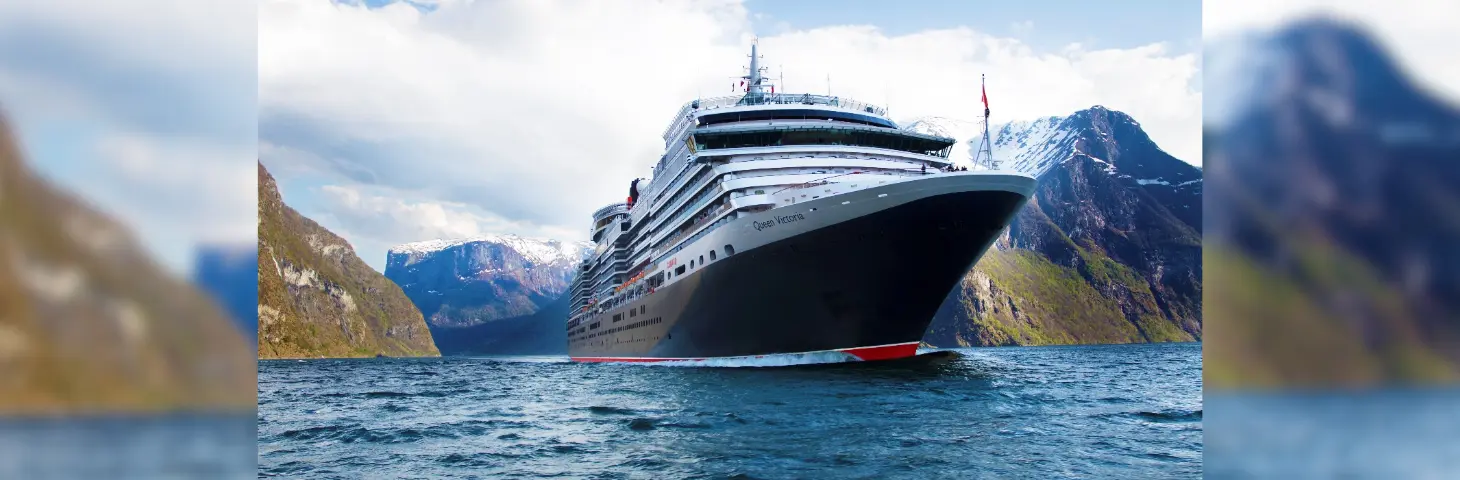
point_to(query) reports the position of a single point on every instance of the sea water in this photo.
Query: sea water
(1120, 411)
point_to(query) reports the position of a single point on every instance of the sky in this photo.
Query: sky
(146, 109)
(392, 122)
(1420, 34)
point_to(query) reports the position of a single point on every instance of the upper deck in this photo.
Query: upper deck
(687, 115)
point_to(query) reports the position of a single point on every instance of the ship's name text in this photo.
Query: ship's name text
(781, 219)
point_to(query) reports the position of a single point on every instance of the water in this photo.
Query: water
(129, 447)
(1379, 433)
(1128, 411)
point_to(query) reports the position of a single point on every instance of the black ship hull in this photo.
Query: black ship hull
(863, 288)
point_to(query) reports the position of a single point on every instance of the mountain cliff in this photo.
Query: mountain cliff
(317, 299)
(1333, 217)
(1107, 251)
(467, 282)
(88, 322)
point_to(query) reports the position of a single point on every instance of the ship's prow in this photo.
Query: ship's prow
(785, 229)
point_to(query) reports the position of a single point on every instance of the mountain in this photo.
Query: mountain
(317, 299)
(1333, 217)
(89, 322)
(1107, 251)
(230, 274)
(538, 333)
(468, 282)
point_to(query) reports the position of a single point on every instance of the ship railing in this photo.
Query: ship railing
(697, 236)
(605, 210)
(705, 217)
(768, 99)
(709, 189)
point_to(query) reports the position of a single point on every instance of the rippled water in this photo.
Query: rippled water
(1127, 411)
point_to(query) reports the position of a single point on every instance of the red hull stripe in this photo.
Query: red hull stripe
(879, 352)
(884, 352)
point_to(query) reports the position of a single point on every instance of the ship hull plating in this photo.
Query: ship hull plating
(864, 288)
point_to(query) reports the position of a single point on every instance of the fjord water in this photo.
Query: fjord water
(1110, 411)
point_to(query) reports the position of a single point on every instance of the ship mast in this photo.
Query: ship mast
(986, 147)
(755, 84)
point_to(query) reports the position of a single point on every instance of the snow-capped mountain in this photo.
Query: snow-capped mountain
(1107, 251)
(537, 250)
(1333, 208)
(468, 281)
(1111, 140)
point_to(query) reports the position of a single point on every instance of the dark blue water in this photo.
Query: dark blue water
(1130, 411)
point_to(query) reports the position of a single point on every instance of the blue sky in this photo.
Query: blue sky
(1056, 23)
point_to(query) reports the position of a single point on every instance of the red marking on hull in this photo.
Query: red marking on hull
(885, 352)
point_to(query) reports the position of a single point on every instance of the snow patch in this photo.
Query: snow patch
(1032, 146)
(537, 250)
(1153, 181)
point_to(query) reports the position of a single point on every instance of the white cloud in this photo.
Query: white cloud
(1022, 28)
(1420, 33)
(541, 112)
(377, 221)
(146, 109)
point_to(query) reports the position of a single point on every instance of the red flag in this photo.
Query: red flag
(985, 100)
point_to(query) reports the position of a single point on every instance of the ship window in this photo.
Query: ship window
(712, 255)
(691, 264)
(679, 271)
(702, 260)
(641, 308)
(633, 313)
(729, 250)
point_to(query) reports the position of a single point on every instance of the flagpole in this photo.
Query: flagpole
(986, 150)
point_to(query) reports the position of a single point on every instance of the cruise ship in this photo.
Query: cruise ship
(797, 227)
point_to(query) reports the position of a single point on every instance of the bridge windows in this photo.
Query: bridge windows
(861, 137)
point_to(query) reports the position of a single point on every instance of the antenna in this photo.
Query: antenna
(828, 84)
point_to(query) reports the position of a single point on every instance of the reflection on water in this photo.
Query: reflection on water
(1119, 411)
(130, 447)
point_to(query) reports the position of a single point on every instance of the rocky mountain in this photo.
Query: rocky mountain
(89, 322)
(538, 333)
(1333, 216)
(230, 274)
(1107, 251)
(318, 299)
(468, 282)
